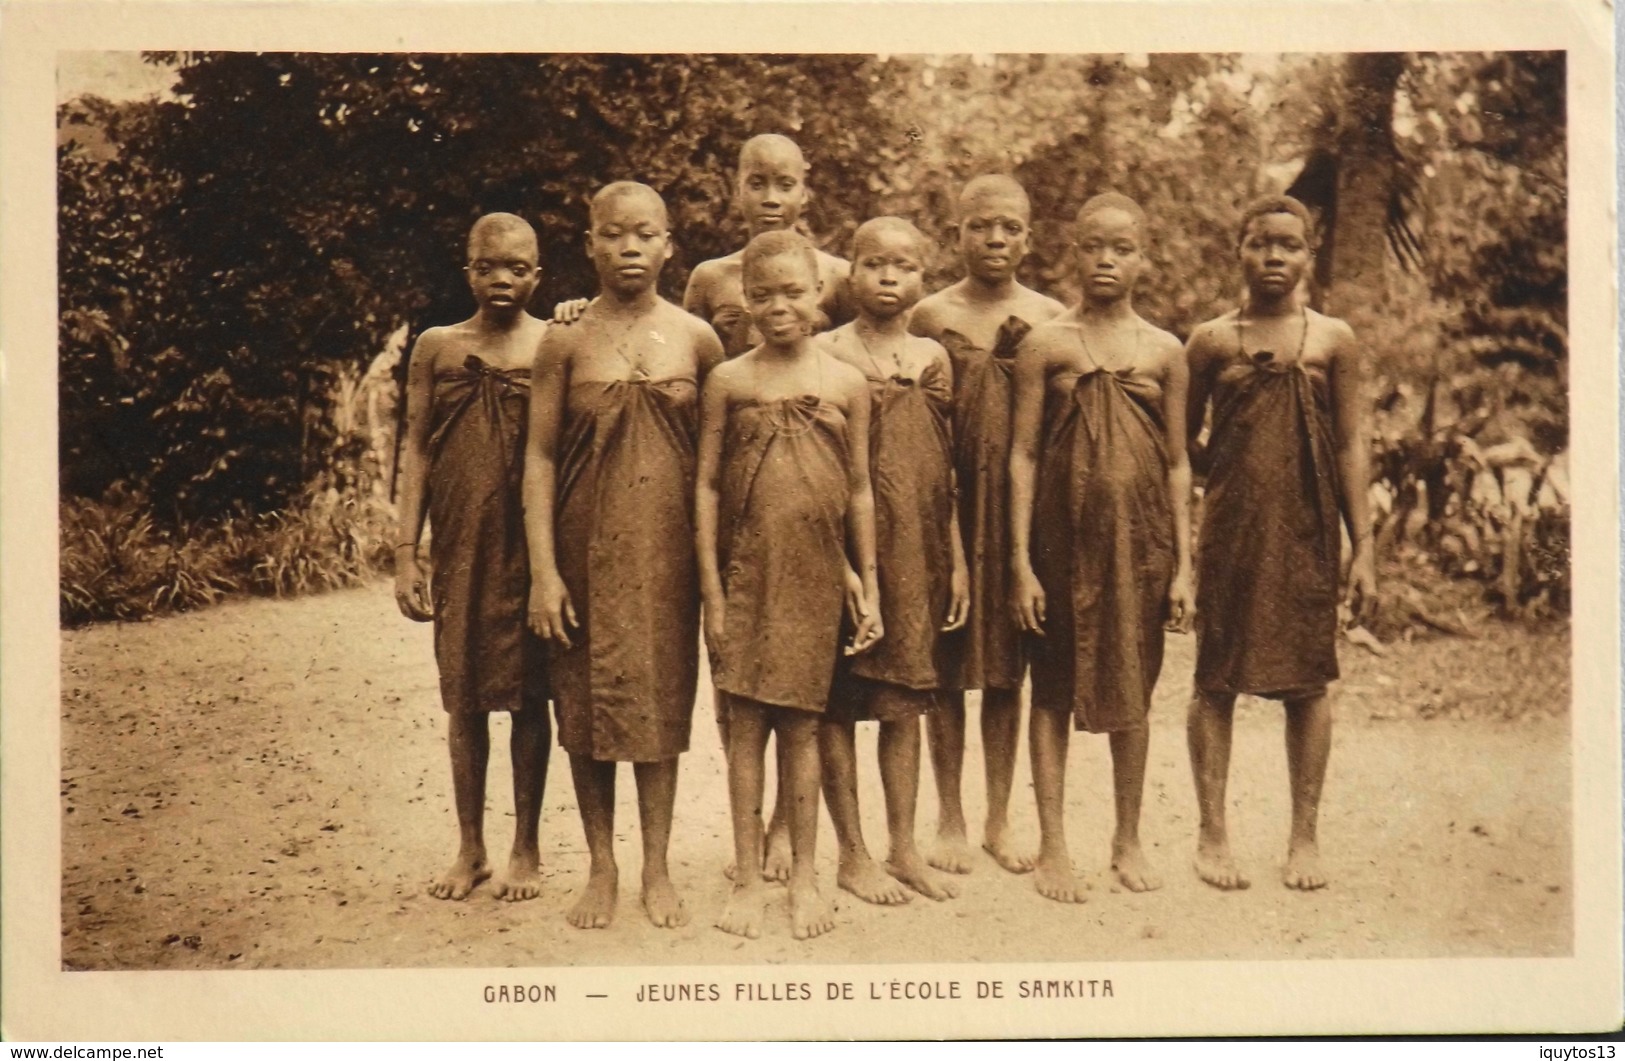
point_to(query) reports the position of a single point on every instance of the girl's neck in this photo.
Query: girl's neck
(498, 321)
(1264, 306)
(1110, 311)
(629, 304)
(981, 290)
(794, 350)
(881, 327)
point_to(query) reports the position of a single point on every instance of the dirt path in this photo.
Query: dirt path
(264, 785)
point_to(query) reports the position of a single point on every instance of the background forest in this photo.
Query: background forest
(244, 259)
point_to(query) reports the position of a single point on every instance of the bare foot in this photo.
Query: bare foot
(1132, 869)
(951, 851)
(809, 914)
(463, 877)
(661, 902)
(912, 870)
(1303, 868)
(997, 843)
(776, 860)
(743, 914)
(863, 877)
(1215, 865)
(522, 881)
(1054, 879)
(596, 907)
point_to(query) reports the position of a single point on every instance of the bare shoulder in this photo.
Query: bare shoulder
(1339, 335)
(1046, 334)
(846, 377)
(430, 346)
(926, 317)
(725, 377)
(1165, 345)
(1205, 337)
(1035, 307)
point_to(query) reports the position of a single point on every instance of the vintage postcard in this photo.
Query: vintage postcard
(1085, 519)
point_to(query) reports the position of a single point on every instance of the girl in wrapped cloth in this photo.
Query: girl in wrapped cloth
(609, 487)
(980, 320)
(1286, 460)
(467, 389)
(918, 555)
(783, 500)
(1100, 530)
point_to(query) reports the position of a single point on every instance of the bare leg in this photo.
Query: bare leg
(1308, 747)
(529, 747)
(1050, 733)
(657, 796)
(747, 744)
(1207, 729)
(1129, 749)
(1001, 734)
(945, 732)
(469, 737)
(900, 776)
(595, 794)
(859, 873)
(799, 779)
(776, 857)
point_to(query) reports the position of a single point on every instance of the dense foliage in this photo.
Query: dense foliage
(234, 254)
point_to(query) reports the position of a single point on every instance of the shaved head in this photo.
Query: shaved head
(1112, 201)
(1276, 204)
(502, 228)
(992, 187)
(618, 191)
(875, 227)
(775, 244)
(770, 145)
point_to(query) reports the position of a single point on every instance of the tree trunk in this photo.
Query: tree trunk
(1365, 183)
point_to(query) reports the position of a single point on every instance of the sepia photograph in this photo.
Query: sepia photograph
(1059, 511)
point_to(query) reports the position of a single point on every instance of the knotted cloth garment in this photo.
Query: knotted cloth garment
(1267, 564)
(781, 544)
(910, 455)
(488, 658)
(624, 690)
(991, 654)
(1102, 548)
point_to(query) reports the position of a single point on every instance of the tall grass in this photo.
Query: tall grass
(119, 563)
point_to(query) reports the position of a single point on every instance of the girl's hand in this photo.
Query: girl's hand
(870, 630)
(1181, 604)
(551, 611)
(958, 600)
(715, 623)
(1362, 595)
(571, 311)
(1029, 602)
(412, 587)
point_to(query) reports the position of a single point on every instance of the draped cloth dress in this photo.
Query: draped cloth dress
(781, 543)
(991, 655)
(624, 690)
(1102, 548)
(489, 660)
(910, 454)
(1269, 552)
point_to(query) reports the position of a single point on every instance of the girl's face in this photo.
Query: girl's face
(502, 270)
(772, 191)
(629, 243)
(1110, 259)
(1274, 254)
(993, 236)
(781, 294)
(888, 276)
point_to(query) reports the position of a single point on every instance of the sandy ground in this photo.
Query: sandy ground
(265, 784)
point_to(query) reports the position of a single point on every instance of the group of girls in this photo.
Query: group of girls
(867, 502)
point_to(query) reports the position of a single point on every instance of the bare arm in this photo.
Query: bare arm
(1199, 363)
(959, 597)
(695, 296)
(1349, 425)
(1175, 385)
(1027, 421)
(860, 510)
(550, 609)
(707, 351)
(713, 421)
(411, 592)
